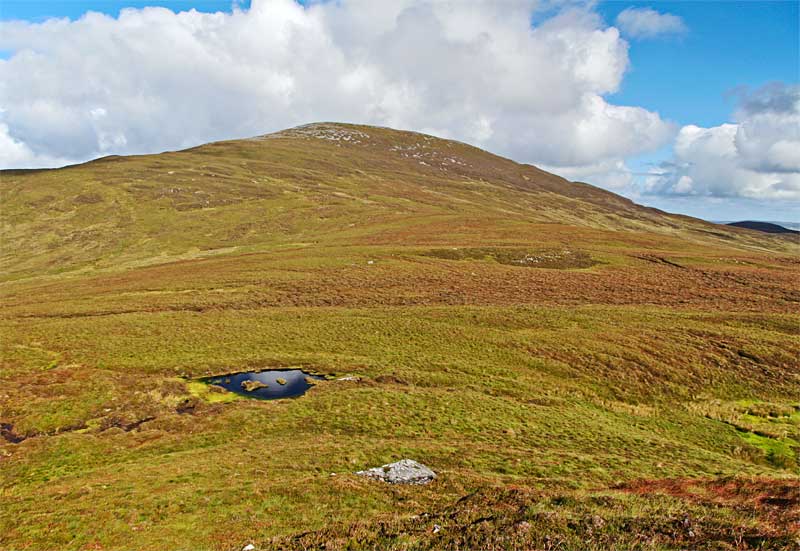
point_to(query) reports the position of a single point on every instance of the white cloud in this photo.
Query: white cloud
(648, 23)
(757, 156)
(153, 80)
(612, 174)
(15, 154)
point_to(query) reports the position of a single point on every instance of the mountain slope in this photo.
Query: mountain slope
(320, 183)
(581, 371)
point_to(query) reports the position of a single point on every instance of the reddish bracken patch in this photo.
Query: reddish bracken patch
(774, 502)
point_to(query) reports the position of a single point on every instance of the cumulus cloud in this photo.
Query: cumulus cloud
(757, 156)
(648, 23)
(612, 174)
(15, 154)
(153, 80)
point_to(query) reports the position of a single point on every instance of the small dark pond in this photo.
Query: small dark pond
(267, 385)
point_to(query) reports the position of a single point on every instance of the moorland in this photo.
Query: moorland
(582, 372)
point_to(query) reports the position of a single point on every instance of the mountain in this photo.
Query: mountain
(766, 227)
(321, 183)
(581, 372)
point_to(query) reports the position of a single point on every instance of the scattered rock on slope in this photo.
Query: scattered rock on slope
(405, 471)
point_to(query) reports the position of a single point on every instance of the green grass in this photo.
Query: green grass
(781, 452)
(486, 396)
(208, 393)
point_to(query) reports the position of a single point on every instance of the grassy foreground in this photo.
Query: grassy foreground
(581, 372)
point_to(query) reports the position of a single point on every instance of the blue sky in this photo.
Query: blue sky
(696, 77)
(693, 78)
(38, 10)
(689, 78)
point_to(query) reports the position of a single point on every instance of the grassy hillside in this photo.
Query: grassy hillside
(581, 371)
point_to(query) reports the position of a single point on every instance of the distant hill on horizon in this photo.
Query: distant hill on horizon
(767, 227)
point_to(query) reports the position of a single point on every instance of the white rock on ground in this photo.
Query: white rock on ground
(405, 471)
(248, 547)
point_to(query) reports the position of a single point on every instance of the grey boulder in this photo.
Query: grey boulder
(405, 471)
